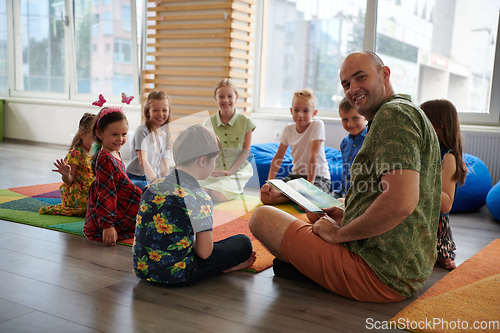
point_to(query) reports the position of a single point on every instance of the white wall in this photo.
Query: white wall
(55, 123)
(269, 125)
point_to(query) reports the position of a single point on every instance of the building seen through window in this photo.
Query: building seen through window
(4, 67)
(67, 47)
(108, 70)
(435, 49)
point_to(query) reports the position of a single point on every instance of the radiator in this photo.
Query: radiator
(486, 146)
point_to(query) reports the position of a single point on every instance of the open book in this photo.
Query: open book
(305, 194)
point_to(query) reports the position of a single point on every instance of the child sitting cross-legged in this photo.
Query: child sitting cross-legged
(173, 242)
(307, 139)
(76, 173)
(444, 118)
(113, 199)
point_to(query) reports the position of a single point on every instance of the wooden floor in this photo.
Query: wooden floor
(56, 282)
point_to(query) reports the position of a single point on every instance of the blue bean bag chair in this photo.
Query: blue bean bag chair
(262, 154)
(493, 201)
(472, 195)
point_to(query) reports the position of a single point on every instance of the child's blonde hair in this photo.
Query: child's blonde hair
(193, 142)
(85, 125)
(306, 94)
(345, 105)
(155, 95)
(225, 83)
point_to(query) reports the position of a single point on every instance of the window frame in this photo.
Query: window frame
(493, 116)
(14, 38)
(369, 44)
(14, 51)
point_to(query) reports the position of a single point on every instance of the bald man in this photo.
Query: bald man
(382, 247)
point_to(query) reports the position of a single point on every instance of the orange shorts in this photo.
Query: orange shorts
(333, 266)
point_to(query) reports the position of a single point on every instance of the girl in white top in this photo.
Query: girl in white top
(150, 147)
(307, 139)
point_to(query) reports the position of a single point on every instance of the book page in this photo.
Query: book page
(314, 194)
(294, 196)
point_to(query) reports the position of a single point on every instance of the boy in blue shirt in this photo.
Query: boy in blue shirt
(355, 124)
(173, 241)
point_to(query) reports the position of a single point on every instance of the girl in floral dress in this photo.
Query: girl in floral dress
(76, 173)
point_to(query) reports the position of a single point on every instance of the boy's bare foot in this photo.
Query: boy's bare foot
(447, 263)
(249, 262)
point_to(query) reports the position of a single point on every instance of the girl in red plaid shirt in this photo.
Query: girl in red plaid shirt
(113, 200)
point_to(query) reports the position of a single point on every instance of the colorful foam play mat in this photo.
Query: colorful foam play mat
(21, 204)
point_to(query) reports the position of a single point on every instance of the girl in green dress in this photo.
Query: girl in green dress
(232, 170)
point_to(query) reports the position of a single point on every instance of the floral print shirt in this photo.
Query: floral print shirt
(171, 211)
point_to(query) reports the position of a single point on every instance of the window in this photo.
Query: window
(123, 51)
(435, 49)
(304, 47)
(4, 68)
(40, 49)
(126, 18)
(45, 40)
(107, 23)
(95, 24)
(440, 49)
(122, 83)
(100, 63)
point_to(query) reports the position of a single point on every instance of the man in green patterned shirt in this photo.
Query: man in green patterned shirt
(382, 247)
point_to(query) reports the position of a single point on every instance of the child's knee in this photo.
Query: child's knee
(217, 196)
(246, 246)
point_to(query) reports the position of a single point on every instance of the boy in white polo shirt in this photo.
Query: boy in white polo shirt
(307, 139)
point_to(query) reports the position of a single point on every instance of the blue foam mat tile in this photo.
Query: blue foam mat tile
(24, 204)
(72, 227)
(50, 201)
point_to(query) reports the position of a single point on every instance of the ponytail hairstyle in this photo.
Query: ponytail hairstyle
(85, 125)
(106, 116)
(225, 83)
(443, 116)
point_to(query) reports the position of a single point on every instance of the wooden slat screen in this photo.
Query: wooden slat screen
(192, 45)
